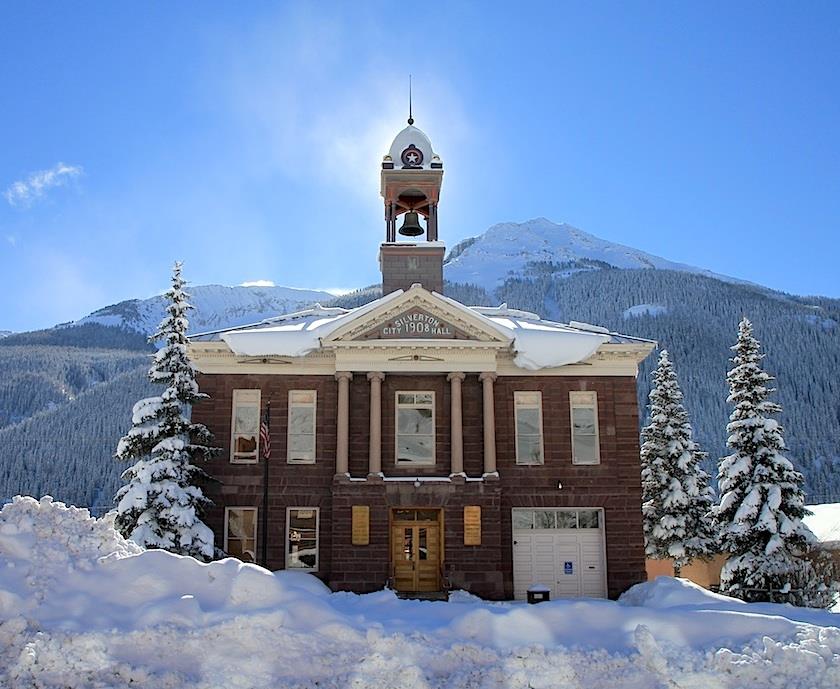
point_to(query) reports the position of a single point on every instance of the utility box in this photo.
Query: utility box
(538, 594)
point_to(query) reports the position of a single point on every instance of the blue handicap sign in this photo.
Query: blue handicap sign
(568, 567)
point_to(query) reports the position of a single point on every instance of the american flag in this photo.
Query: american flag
(265, 435)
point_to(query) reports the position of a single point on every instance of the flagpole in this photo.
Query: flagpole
(264, 548)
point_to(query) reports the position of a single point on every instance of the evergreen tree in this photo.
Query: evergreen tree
(161, 506)
(762, 503)
(676, 495)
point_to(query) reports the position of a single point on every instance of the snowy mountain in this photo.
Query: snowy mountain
(506, 249)
(5, 333)
(216, 307)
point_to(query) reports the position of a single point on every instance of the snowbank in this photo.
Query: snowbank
(65, 569)
(82, 608)
(669, 592)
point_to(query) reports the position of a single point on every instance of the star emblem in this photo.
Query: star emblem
(412, 156)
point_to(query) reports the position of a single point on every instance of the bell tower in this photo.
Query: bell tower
(410, 186)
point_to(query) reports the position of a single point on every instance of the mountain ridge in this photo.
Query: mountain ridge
(503, 249)
(216, 306)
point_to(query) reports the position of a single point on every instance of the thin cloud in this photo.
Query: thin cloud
(257, 283)
(24, 192)
(301, 111)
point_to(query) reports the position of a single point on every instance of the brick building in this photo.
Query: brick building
(422, 444)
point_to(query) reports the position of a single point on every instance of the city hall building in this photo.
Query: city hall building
(425, 445)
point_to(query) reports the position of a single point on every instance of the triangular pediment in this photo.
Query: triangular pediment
(418, 314)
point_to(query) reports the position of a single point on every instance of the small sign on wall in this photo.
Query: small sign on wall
(568, 567)
(360, 526)
(472, 525)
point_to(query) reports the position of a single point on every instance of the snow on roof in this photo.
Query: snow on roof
(537, 343)
(316, 310)
(298, 335)
(408, 136)
(825, 523)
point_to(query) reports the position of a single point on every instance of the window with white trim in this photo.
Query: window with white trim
(241, 533)
(300, 445)
(528, 422)
(302, 538)
(245, 427)
(415, 428)
(584, 411)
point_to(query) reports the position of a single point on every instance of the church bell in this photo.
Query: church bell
(411, 226)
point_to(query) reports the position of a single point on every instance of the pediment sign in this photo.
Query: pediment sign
(418, 315)
(415, 323)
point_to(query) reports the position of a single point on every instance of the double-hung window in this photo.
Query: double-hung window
(529, 435)
(302, 538)
(584, 410)
(245, 427)
(415, 428)
(241, 533)
(301, 437)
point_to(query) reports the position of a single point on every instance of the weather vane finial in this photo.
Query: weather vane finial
(410, 118)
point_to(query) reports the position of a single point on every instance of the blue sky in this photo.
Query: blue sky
(244, 138)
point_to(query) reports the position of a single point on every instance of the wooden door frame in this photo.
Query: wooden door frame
(393, 523)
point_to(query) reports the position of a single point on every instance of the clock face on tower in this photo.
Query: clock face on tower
(412, 156)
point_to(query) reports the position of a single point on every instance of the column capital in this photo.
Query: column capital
(376, 375)
(343, 375)
(456, 375)
(487, 375)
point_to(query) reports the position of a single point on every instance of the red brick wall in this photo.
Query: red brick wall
(614, 484)
(367, 568)
(290, 485)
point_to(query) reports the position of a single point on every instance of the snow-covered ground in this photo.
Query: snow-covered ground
(81, 607)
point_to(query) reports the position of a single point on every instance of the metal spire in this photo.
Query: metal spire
(410, 118)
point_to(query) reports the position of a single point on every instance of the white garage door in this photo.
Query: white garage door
(561, 549)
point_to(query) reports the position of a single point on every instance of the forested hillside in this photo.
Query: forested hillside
(67, 451)
(37, 378)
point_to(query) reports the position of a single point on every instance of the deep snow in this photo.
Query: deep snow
(81, 607)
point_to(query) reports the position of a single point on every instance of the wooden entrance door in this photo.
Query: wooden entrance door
(415, 553)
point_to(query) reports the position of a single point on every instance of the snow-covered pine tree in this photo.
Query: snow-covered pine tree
(161, 504)
(676, 495)
(759, 517)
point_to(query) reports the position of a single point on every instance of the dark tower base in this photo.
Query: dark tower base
(403, 264)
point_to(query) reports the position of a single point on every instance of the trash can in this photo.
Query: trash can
(539, 594)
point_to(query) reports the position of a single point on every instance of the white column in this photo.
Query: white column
(375, 454)
(342, 465)
(457, 434)
(487, 379)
